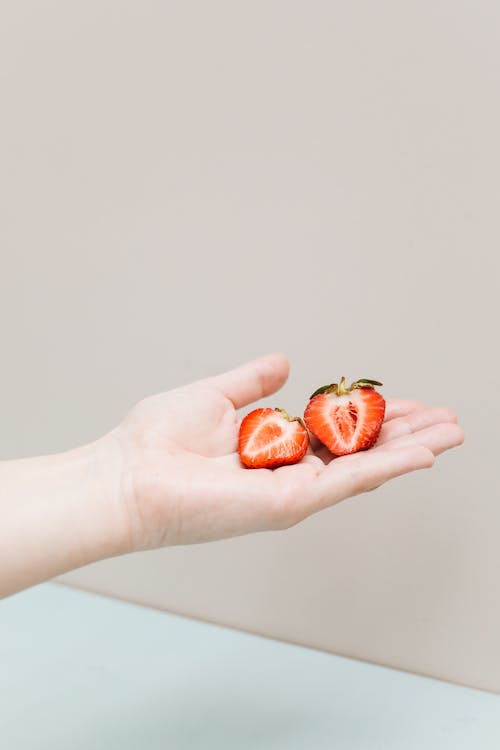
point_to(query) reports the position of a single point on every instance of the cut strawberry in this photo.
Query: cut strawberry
(270, 438)
(346, 420)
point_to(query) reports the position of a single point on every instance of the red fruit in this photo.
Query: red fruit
(346, 420)
(270, 438)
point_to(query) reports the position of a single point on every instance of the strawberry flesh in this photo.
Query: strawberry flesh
(346, 423)
(269, 438)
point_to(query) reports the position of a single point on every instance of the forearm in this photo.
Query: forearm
(57, 513)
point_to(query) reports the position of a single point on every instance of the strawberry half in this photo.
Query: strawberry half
(270, 438)
(346, 420)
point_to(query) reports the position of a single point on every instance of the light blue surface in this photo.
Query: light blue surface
(85, 672)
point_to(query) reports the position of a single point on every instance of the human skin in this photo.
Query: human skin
(170, 474)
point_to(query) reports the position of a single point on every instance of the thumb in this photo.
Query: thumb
(252, 380)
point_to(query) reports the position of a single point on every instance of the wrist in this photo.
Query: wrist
(105, 498)
(59, 512)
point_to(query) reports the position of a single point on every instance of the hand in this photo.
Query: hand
(181, 480)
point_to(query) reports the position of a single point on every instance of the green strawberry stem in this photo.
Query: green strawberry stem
(341, 390)
(286, 416)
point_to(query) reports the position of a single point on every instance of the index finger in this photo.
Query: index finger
(400, 407)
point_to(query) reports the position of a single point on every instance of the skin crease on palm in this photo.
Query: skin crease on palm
(180, 480)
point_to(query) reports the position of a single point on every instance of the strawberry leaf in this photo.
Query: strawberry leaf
(324, 389)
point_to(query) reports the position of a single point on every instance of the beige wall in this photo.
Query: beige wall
(185, 185)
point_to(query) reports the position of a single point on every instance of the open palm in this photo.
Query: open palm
(182, 481)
